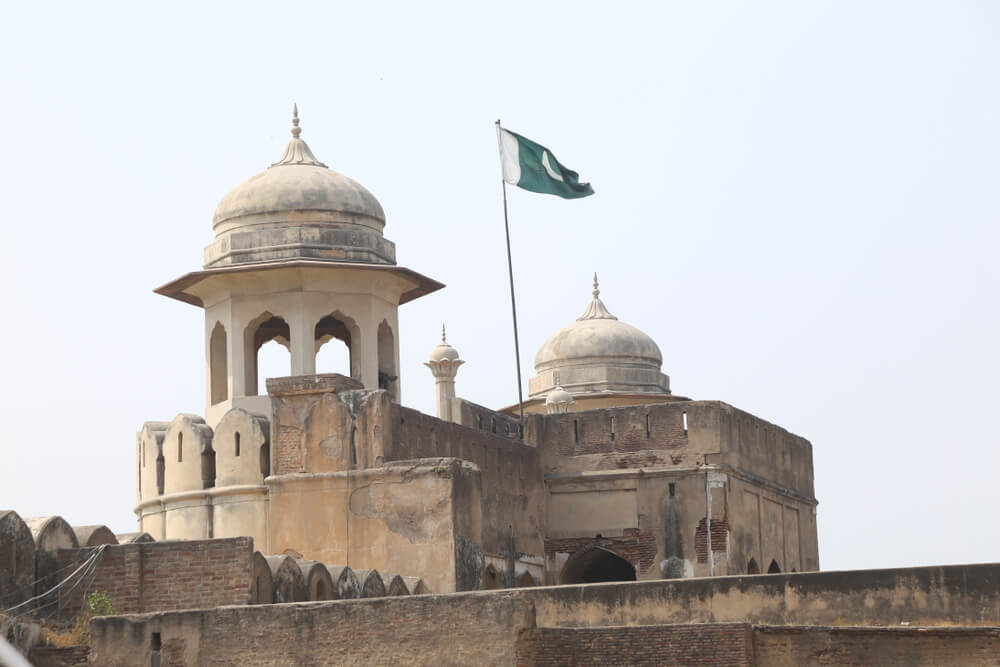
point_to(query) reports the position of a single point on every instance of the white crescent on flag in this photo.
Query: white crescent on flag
(548, 167)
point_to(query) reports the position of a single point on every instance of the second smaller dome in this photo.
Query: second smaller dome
(598, 353)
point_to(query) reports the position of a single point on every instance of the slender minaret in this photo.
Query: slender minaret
(444, 363)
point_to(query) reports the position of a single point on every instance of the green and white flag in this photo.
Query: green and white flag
(533, 167)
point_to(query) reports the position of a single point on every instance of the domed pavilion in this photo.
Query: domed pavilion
(299, 258)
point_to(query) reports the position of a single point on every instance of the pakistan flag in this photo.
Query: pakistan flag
(533, 167)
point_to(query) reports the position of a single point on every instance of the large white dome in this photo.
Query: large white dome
(598, 353)
(299, 209)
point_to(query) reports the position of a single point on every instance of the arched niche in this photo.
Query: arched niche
(218, 364)
(388, 373)
(336, 337)
(526, 580)
(596, 564)
(752, 567)
(491, 579)
(262, 330)
(774, 568)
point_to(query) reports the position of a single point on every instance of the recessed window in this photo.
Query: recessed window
(237, 439)
(180, 447)
(672, 489)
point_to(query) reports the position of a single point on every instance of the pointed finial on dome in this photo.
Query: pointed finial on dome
(596, 309)
(443, 340)
(297, 151)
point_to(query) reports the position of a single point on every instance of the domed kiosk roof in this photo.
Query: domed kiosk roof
(298, 182)
(597, 334)
(599, 353)
(299, 208)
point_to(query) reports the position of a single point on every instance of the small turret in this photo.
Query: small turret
(444, 363)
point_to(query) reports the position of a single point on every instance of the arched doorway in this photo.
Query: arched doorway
(594, 565)
(752, 567)
(773, 568)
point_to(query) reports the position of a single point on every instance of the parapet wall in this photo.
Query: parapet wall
(666, 435)
(549, 625)
(155, 576)
(511, 493)
(725, 644)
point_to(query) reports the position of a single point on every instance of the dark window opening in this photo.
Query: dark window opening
(773, 568)
(672, 489)
(597, 565)
(491, 580)
(180, 447)
(237, 438)
(265, 460)
(752, 567)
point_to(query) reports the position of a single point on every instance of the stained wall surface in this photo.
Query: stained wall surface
(516, 626)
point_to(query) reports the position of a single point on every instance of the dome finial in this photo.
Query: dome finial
(296, 130)
(442, 334)
(596, 309)
(297, 151)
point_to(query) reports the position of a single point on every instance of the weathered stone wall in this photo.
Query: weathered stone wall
(17, 560)
(913, 647)
(51, 656)
(398, 517)
(504, 516)
(473, 629)
(502, 627)
(750, 444)
(949, 594)
(678, 434)
(629, 437)
(720, 644)
(480, 418)
(165, 575)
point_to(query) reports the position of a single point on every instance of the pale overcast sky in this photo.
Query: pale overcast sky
(797, 201)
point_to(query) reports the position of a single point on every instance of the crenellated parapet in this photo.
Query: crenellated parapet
(189, 490)
(188, 457)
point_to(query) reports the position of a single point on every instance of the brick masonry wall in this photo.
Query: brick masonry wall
(637, 547)
(722, 645)
(720, 538)
(166, 575)
(793, 646)
(473, 629)
(50, 656)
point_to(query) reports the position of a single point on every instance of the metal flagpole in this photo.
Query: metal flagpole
(510, 273)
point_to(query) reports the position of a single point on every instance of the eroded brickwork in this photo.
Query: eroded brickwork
(635, 546)
(722, 645)
(166, 575)
(720, 538)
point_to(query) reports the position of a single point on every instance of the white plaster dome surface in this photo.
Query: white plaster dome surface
(299, 187)
(599, 353)
(443, 351)
(299, 209)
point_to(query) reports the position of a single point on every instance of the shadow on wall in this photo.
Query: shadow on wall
(595, 565)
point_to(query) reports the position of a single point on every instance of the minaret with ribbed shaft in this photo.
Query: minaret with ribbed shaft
(444, 363)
